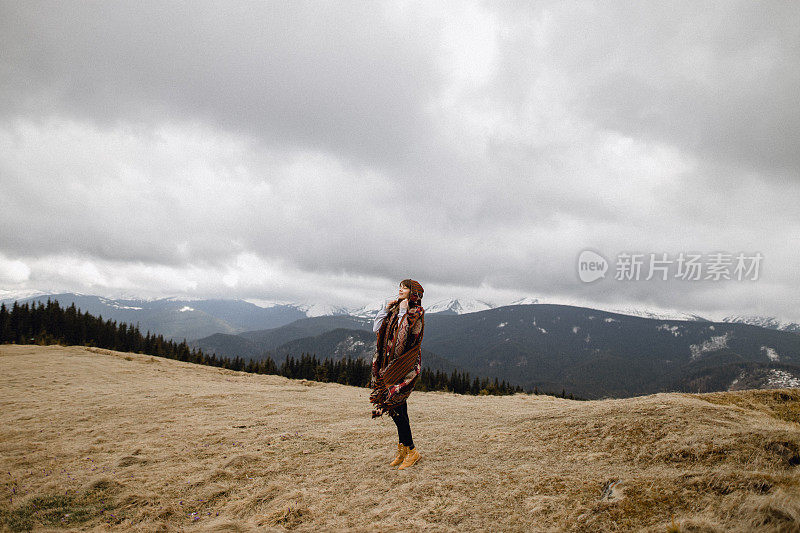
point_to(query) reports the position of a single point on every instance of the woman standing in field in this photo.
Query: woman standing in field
(397, 363)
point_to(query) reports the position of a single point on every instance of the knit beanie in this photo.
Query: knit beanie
(416, 291)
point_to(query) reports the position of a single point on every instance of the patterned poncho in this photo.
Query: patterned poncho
(397, 361)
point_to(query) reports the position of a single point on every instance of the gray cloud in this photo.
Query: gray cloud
(345, 77)
(268, 149)
(720, 84)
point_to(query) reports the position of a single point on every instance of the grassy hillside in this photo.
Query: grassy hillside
(91, 438)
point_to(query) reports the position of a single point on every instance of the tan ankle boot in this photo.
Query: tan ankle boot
(401, 454)
(412, 456)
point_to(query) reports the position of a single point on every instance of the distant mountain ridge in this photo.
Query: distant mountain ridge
(196, 318)
(591, 352)
(178, 318)
(764, 322)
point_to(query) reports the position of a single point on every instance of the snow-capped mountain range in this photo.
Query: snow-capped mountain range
(461, 306)
(764, 322)
(10, 296)
(197, 315)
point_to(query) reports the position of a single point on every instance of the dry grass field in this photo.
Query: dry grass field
(93, 440)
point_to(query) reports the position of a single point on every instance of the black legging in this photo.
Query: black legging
(403, 427)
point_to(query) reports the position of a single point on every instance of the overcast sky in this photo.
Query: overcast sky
(323, 151)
